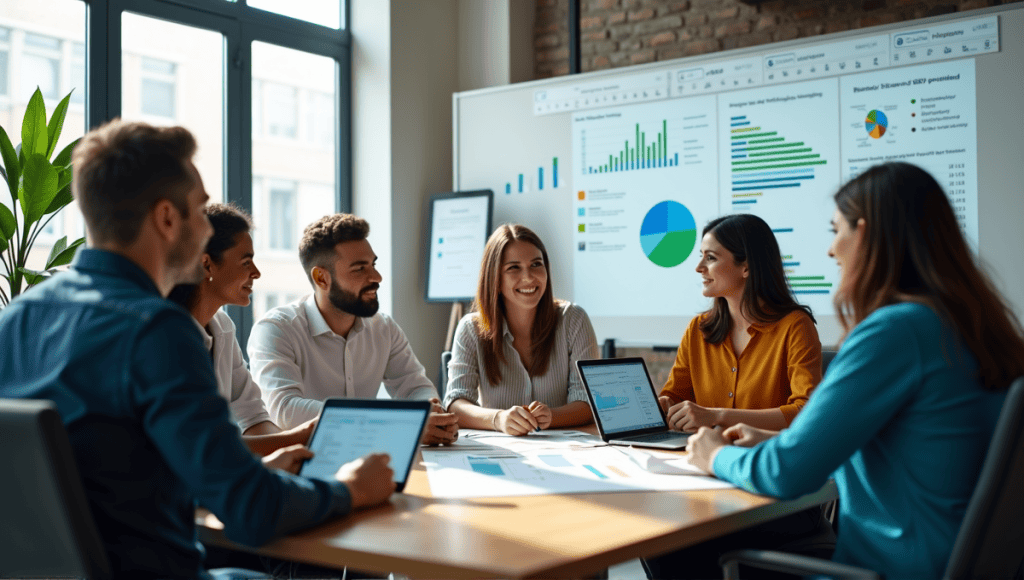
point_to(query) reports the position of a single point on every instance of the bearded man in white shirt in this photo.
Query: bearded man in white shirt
(334, 343)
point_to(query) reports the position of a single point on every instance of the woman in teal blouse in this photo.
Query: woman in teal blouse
(905, 414)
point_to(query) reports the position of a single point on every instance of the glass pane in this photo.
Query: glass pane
(173, 74)
(323, 12)
(4, 64)
(293, 160)
(78, 72)
(41, 72)
(28, 60)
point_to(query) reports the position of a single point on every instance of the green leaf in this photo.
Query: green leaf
(63, 158)
(64, 258)
(61, 200)
(8, 224)
(33, 277)
(56, 124)
(33, 128)
(10, 157)
(38, 188)
(60, 246)
(3, 245)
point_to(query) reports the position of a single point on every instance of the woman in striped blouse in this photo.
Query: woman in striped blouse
(513, 361)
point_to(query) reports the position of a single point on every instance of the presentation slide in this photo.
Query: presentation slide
(346, 434)
(925, 115)
(623, 397)
(780, 161)
(458, 235)
(645, 179)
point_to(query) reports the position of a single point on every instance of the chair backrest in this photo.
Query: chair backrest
(46, 527)
(442, 384)
(990, 543)
(826, 359)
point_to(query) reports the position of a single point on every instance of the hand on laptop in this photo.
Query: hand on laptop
(516, 421)
(743, 435)
(689, 416)
(369, 479)
(288, 458)
(442, 427)
(540, 412)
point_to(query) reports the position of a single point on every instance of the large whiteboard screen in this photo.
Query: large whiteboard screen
(619, 172)
(459, 226)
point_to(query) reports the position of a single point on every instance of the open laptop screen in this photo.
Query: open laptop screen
(623, 396)
(350, 428)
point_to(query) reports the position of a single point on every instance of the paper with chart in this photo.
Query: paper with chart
(502, 465)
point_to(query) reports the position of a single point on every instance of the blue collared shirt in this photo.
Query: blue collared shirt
(136, 390)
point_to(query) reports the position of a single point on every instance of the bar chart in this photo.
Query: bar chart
(763, 161)
(638, 151)
(521, 182)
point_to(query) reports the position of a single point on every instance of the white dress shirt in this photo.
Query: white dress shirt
(299, 361)
(234, 382)
(558, 386)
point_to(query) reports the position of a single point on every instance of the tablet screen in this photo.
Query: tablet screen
(344, 434)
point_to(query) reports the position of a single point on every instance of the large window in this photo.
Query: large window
(42, 44)
(258, 83)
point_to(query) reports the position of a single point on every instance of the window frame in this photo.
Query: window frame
(241, 25)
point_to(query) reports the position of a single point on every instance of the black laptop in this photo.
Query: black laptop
(625, 404)
(351, 428)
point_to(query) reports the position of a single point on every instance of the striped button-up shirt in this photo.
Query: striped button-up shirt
(558, 386)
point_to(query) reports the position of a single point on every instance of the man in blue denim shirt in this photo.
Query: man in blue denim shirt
(133, 382)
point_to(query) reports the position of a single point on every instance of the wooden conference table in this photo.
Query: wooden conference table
(556, 536)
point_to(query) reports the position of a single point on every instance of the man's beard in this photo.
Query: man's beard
(184, 258)
(352, 303)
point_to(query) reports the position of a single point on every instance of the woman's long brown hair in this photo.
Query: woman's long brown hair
(491, 306)
(913, 251)
(766, 294)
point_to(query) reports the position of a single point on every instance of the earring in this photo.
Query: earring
(210, 279)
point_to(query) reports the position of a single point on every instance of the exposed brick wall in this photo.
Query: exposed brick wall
(615, 33)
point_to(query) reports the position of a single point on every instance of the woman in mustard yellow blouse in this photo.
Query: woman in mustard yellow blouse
(754, 357)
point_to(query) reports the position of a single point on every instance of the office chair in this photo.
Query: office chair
(826, 359)
(990, 542)
(46, 529)
(442, 384)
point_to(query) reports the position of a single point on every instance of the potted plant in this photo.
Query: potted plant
(39, 189)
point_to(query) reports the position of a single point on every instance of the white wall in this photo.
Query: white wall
(408, 58)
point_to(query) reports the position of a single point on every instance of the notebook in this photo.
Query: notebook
(625, 404)
(351, 428)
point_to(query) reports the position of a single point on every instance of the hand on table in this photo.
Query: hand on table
(540, 412)
(743, 435)
(369, 479)
(516, 421)
(703, 446)
(689, 416)
(303, 432)
(288, 458)
(442, 427)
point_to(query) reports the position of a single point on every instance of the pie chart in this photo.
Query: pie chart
(876, 123)
(668, 234)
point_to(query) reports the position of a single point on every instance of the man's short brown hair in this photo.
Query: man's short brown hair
(122, 169)
(320, 237)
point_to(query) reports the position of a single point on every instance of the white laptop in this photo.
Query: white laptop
(625, 404)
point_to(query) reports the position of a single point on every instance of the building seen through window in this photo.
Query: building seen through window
(173, 74)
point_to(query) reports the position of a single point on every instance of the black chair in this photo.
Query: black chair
(46, 529)
(442, 383)
(826, 359)
(990, 543)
